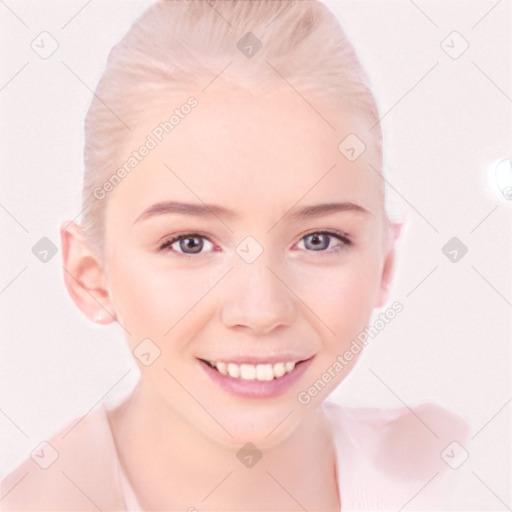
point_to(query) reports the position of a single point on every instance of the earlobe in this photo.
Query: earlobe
(84, 276)
(395, 228)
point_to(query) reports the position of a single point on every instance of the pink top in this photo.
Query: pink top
(387, 459)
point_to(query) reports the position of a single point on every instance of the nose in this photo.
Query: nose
(256, 299)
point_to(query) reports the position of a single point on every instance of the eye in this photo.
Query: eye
(187, 243)
(320, 241)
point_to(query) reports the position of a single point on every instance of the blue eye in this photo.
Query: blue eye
(322, 240)
(190, 243)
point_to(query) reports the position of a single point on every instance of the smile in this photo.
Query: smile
(261, 372)
(255, 379)
(262, 380)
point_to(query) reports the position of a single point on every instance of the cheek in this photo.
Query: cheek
(150, 300)
(342, 296)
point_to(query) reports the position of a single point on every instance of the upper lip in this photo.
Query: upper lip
(280, 358)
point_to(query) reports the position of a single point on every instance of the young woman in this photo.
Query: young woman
(234, 226)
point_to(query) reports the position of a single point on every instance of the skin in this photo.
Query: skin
(260, 156)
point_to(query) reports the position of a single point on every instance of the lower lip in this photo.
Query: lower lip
(256, 388)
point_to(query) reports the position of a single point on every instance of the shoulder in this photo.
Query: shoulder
(76, 469)
(405, 442)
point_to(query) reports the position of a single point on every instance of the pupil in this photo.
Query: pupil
(193, 243)
(317, 242)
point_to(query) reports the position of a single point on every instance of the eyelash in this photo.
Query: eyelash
(342, 237)
(166, 245)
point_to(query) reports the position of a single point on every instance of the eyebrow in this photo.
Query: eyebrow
(176, 207)
(213, 210)
(317, 210)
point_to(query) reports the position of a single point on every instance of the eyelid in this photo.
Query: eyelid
(340, 235)
(171, 239)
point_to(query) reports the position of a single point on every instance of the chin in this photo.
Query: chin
(263, 424)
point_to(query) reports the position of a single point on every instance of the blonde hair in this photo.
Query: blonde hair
(177, 46)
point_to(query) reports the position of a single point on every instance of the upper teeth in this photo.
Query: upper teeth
(254, 371)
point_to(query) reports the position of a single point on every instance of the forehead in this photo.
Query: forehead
(243, 150)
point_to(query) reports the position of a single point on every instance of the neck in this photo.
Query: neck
(173, 465)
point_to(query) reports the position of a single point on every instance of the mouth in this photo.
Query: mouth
(262, 380)
(246, 371)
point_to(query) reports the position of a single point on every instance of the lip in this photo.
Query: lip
(255, 388)
(277, 358)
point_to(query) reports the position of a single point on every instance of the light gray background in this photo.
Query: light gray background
(446, 123)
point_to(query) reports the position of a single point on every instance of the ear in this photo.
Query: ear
(394, 228)
(84, 276)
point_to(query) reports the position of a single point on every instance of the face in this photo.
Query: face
(250, 298)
